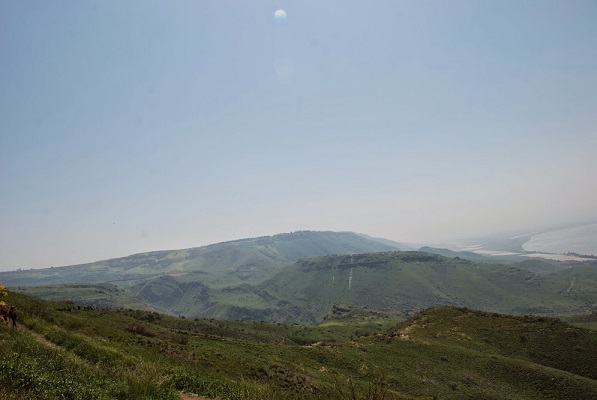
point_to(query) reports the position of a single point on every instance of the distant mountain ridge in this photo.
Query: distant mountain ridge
(300, 276)
(236, 261)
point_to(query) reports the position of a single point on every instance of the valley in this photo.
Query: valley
(299, 277)
(306, 315)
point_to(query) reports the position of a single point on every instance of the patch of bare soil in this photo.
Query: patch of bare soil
(189, 396)
(47, 343)
(40, 338)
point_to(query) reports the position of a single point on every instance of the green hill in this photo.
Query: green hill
(103, 295)
(467, 255)
(405, 281)
(440, 353)
(306, 290)
(217, 265)
(208, 281)
(411, 281)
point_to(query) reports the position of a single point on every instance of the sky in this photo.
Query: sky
(130, 126)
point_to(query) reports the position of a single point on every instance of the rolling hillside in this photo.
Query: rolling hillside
(212, 281)
(442, 352)
(404, 281)
(411, 281)
(217, 265)
(306, 290)
(293, 278)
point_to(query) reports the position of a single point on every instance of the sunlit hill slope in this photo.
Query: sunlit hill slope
(59, 352)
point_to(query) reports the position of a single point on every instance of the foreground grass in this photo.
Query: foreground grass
(442, 353)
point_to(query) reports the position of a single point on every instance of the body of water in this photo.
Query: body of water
(579, 239)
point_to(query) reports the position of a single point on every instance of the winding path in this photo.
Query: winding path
(571, 285)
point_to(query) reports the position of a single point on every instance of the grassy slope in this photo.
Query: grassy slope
(220, 265)
(414, 280)
(408, 281)
(207, 281)
(102, 295)
(440, 353)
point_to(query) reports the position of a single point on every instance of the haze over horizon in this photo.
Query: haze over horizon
(128, 128)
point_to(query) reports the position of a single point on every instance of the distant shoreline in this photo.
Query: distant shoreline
(580, 240)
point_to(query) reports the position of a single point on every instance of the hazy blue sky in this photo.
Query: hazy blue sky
(130, 126)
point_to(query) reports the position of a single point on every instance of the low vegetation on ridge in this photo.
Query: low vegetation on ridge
(60, 351)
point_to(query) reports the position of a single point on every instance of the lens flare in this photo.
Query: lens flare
(280, 14)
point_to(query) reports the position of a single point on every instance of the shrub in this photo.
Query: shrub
(139, 329)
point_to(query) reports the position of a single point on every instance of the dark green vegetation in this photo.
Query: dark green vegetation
(440, 353)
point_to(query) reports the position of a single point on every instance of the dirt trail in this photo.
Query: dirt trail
(571, 285)
(38, 337)
(42, 340)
